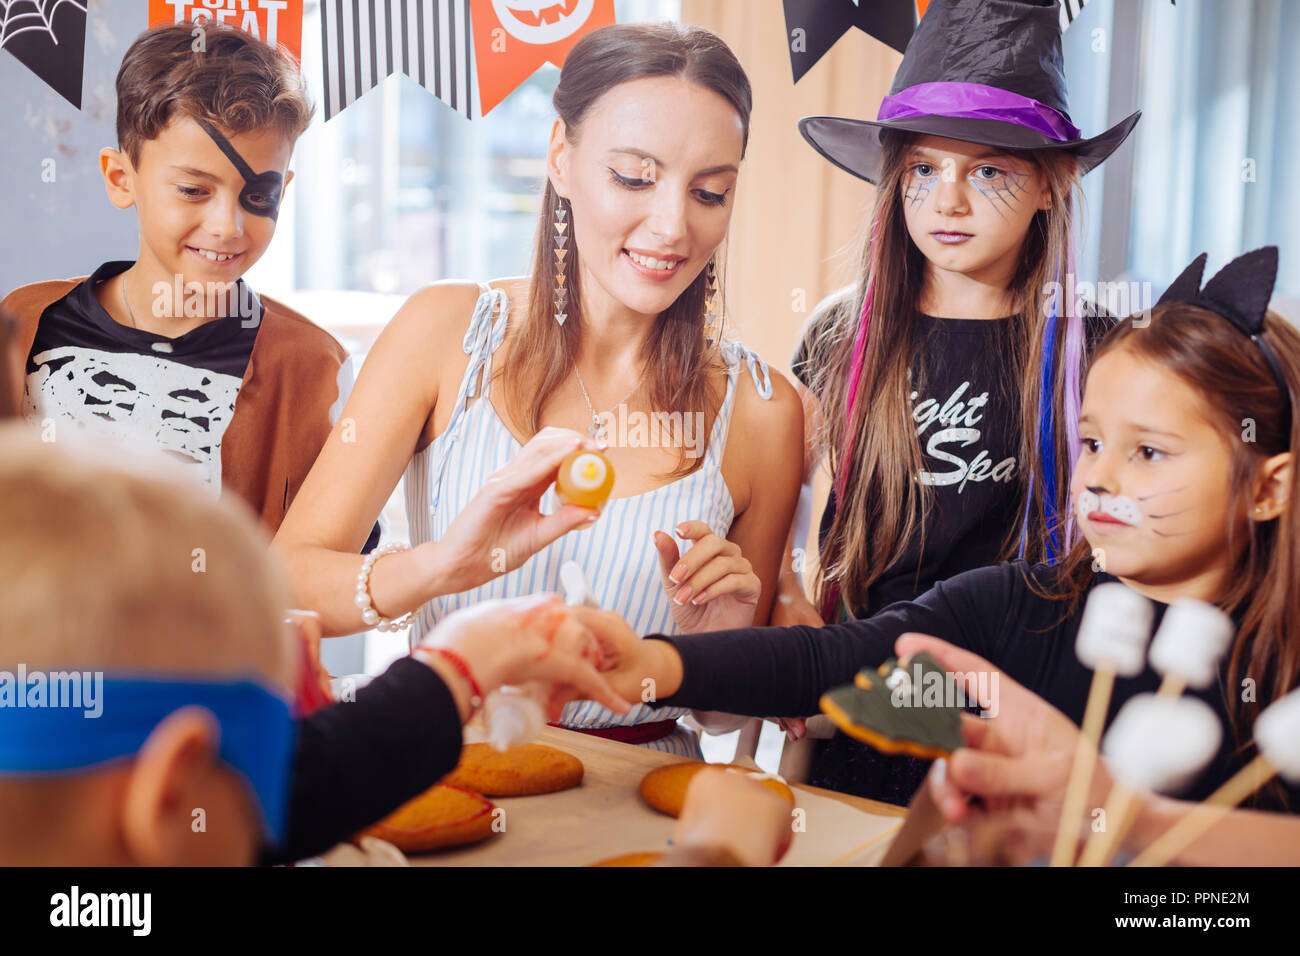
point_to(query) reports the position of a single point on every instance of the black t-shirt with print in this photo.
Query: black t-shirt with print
(967, 413)
(966, 409)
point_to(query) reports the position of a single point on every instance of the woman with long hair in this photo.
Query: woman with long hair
(617, 331)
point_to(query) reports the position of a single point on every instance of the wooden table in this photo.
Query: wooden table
(606, 817)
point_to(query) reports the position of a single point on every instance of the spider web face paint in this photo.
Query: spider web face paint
(1003, 190)
(918, 188)
(262, 191)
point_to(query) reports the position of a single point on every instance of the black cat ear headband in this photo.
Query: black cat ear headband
(261, 193)
(1239, 292)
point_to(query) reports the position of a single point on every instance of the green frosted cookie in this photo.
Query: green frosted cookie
(908, 706)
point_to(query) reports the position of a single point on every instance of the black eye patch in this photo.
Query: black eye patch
(262, 191)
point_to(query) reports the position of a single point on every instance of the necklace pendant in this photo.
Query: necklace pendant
(596, 429)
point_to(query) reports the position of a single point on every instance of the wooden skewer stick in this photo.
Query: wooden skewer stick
(1121, 814)
(1192, 826)
(1085, 758)
(1172, 686)
(1120, 811)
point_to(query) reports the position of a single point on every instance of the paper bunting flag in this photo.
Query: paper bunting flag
(49, 38)
(512, 38)
(1069, 10)
(366, 42)
(1072, 8)
(813, 26)
(277, 22)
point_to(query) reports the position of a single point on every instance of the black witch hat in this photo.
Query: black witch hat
(980, 71)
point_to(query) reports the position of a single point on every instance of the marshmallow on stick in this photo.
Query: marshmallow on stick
(1112, 640)
(1277, 736)
(1188, 645)
(1158, 743)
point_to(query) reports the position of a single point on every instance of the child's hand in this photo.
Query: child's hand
(1018, 760)
(795, 727)
(733, 812)
(521, 640)
(503, 526)
(792, 607)
(712, 587)
(640, 670)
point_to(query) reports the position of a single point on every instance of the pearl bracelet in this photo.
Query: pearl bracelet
(362, 599)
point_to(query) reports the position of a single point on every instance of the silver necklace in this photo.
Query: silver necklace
(126, 300)
(597, 427)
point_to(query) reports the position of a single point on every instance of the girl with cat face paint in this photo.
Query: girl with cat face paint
(1183, 489)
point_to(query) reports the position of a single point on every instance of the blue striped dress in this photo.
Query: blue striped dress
(617, 552)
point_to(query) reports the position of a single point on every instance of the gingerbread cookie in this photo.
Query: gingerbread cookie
(632, 859)
(442, 816)
(893, 708)
(519, 772)
(664, 788)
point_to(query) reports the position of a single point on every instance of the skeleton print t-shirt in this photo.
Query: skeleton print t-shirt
(176, 394)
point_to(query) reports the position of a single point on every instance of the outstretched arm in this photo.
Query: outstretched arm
(395, 397)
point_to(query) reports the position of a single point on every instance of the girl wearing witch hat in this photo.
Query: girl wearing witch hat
(944, 383)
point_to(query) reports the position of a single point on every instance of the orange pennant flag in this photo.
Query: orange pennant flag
(512, 38)
(277, 22)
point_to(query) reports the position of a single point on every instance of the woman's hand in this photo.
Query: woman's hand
(521, 640)
(712, 587)
(503, 526)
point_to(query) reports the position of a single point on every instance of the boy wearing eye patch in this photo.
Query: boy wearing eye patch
(175, 348)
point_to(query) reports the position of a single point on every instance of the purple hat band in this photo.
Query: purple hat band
(977, 101)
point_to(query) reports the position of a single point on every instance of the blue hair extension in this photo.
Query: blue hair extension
(1045, 443)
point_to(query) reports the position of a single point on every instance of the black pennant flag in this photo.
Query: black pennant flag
(49, 38)
(428, 40)
(813, 26)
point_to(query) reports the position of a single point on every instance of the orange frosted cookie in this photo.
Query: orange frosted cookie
(664, 788)
(631, 859)
(442, 816)
(585, 478)
(519, 772)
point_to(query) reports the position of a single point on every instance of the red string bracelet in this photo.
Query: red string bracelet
(458, 662)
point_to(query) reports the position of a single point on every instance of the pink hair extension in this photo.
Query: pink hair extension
(831, 599)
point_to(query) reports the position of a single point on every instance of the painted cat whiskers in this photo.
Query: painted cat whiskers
(1127, 510)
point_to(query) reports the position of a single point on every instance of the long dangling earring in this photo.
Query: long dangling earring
(712, 316)
(561, 251)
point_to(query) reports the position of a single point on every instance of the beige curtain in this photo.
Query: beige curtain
(798, 219)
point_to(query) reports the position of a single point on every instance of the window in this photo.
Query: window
(399, 190)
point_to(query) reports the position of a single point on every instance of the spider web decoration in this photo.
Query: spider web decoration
(49, 38)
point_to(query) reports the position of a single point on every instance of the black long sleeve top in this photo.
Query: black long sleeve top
(357, 761)
(993, 612)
